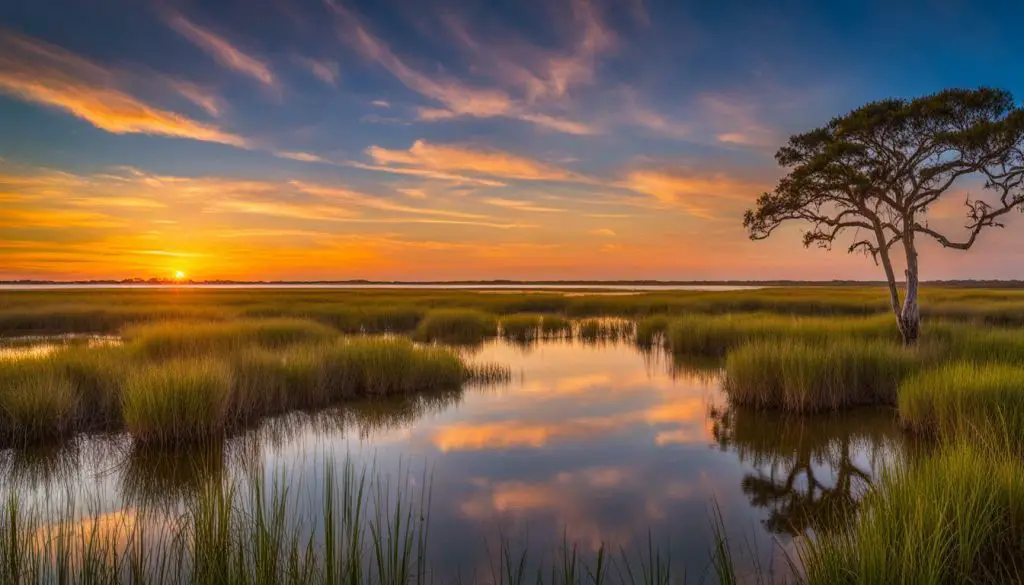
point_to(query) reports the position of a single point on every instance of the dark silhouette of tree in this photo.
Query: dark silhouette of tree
(877, 170)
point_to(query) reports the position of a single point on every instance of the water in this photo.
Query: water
(596, 443)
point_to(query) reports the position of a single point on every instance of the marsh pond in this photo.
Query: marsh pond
(587, 447)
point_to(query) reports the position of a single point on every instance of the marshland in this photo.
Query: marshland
(429, 435)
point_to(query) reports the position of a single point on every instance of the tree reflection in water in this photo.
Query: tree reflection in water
(809, 472)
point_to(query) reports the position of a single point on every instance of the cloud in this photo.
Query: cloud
(370, 201)
(301, 156)
(414, 193)
(220, 49)
(425, 173)
(517, 205)
(735, 121)
(457, 98)
(380, 103)
(448, 158)
(45, 74)
(200, 96)
(323, 69)
(603, 232)
(705, 195)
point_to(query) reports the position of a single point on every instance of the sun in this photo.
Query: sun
(179, 275)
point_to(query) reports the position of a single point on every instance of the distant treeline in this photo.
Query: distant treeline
(512, 283)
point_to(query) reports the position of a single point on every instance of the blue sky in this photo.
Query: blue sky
(462, 139)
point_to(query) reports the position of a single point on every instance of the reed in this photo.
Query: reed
(955, 517)
(178, 339)
(456, 326)
(178, 402)
(521, 328)
(555, 326)
(802, 377)
(965, 399)
(37, 402)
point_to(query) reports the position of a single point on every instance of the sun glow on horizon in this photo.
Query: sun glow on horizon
(179, 275)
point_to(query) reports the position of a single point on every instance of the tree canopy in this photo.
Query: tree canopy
(878, 169)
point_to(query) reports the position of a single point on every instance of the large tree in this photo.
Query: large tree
(876, 171)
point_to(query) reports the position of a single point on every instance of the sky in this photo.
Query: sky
(455, 139)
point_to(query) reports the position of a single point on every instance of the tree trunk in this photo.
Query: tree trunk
(894, 293)
(910, 317)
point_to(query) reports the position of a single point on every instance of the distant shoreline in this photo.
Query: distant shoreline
(502, 283)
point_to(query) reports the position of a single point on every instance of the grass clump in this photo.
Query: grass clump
(593, 330)
(178, 339)
(717, 335)
(268, 382)
(954, 517)
(804, 377)
(369, 367)
(37, 401)
(651, 330)
(521, 328)
(177, 402)
(456, 326)
(964, 398)
(555, 326)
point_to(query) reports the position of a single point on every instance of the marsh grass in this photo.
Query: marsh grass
(177, 402)
(965, 399)
(595, 330)
(37, 401)
(350, 319)
(456, 326)
(521, 328)
(801, 377)
(955, 517)
(555, 327)
(717, 335)
(367, 528)
(650, 331)
(179, 339)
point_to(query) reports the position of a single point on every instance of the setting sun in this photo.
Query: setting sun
(179, 275)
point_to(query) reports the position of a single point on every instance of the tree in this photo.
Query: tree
(878, 169)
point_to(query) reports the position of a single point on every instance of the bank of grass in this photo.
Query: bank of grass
(521, 327)
(954, 517)
(37, 402)
(804, 377)
(594, 330)
(556, 327)
(164, 390)
(717, 335)
(650, 331)
(178, 339)
(456, 326)
(965, 399)
(181, 401)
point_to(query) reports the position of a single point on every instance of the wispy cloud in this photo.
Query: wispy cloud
(220, 49)
(45, 74)
(447, 158)
(705, 195)
(735, 121)
(603, 232)
(325, 70)
(373, 202)
(380, 103)
(458, 99)
(519, 205)
(210, 102)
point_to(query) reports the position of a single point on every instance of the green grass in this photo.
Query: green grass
(178, 402)
(803, 377)
(373, 367)
(521, 328)
(177, 339)
(955, 517)
(555, 327)
(456, 326)
(37, 401)
(366, 529)
(965, 399)
(593, 330)
(717, 335)
(650, 331)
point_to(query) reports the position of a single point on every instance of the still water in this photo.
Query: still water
(598, 443)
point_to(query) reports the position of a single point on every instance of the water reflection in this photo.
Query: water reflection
(809, 473)
(599, 443)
